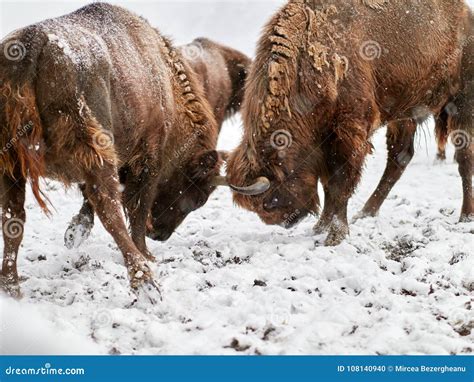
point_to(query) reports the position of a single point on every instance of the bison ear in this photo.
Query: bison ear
(205, 164)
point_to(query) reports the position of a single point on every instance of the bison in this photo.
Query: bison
(221, 71)
(326, 75)
(87, 96)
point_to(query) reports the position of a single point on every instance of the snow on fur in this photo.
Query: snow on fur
(401, 284)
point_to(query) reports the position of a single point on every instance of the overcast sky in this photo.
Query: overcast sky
(234, 22)
(237, 23)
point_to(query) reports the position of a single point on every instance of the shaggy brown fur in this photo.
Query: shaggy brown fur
(221, 71)
(98, 90)
(329, 73)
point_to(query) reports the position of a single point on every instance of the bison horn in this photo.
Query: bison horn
(219, 181)
(260, 186)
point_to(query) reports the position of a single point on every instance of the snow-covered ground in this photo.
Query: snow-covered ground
(402, 283)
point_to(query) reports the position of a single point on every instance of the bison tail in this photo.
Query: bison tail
(21, 136)
(21, 132)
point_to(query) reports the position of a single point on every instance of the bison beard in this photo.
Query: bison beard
(87, 101)
(327, 74)
(221, 71)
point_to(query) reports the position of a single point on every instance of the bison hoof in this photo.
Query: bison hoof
(337, 234)
(11, 288)
(466, 218)
(78, 231)
(149, 256)
(150, 292)
(320, 228)
(143, 283)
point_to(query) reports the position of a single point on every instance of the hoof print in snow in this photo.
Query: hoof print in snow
(82, 262)
(401, 248)
(465, 330)
(408, 293)
(268, 333)
(235, 344)
(457, 257)
(114, 351)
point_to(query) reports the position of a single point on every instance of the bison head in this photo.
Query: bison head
(186, 189)
(280, 114)
(279, 185)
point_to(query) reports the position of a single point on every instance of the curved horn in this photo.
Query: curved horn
(260, 186)
(219, 181)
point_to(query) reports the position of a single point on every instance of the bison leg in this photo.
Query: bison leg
(102, 190)
(138, 197)
(441, 132)
(338, 227)
(462, 130)
(13, 220)
(400, 144)
(324, 221)
(464, 157)
(345, 157)
(463, 141)
(81, 225)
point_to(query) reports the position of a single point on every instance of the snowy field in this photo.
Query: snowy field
(402, 283)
